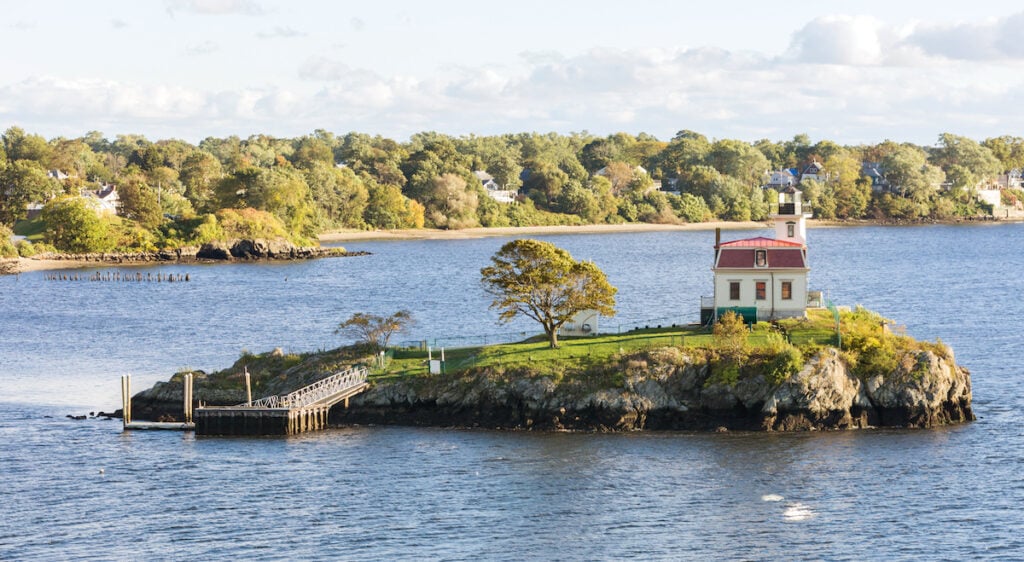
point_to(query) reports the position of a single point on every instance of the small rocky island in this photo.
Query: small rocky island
(763, 358)
(878, 379)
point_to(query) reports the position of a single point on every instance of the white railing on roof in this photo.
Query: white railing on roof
(320, 390)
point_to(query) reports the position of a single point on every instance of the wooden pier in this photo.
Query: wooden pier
(304, 410)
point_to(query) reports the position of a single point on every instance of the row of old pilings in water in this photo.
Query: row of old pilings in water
(118, 277)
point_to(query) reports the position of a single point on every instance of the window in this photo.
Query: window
(734, 290)
(790, 229)
(760, 290)
(787, 290)
(760, 258)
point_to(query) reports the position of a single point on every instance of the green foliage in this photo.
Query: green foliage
(450, 203)
(388, 209)
(139, 202)
(869, 348)
(27, 249)
(23, 182)
(731, 335)
(724, 371)
(299, 181)
(527, 214)
(690, 208)
(543, 282)
(73, 226)
(130, 236)
(250, 223)
(7, 249)
(779, 361)
(31, 229)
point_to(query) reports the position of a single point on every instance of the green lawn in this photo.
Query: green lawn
(31, 229)
(584, 352)
(572, 352)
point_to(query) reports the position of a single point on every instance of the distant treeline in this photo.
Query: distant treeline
(172, 193)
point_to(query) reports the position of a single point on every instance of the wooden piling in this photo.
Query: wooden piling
(126, 400)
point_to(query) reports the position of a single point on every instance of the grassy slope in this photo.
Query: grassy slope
(577, 357)
(33, 229)
(586, 352)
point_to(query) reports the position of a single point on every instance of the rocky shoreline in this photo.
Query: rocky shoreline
(232, 250)
(661, 389)
(667, 390)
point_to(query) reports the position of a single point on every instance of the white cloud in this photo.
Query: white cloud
(281, 33)
(866, 41)
(849, 78)
(845, 40)
(202, 49)
(998, 38)
(215, 7)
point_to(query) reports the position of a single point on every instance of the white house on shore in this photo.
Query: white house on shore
(764, 278)
(495, 191)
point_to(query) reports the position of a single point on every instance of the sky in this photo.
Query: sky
(852, 72)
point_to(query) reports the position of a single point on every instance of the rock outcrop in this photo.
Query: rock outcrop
(246, 249)
(667, 389)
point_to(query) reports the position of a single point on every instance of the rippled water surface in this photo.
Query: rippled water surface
(84, 489)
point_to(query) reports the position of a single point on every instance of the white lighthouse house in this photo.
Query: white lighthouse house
(766, 278)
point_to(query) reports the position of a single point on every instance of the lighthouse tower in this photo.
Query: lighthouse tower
(764, 278)
(790, 220)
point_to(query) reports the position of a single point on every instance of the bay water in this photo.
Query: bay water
(83, 489)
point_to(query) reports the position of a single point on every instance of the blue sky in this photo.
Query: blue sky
(854, 72)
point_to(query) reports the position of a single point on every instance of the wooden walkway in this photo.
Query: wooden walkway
(304, 410)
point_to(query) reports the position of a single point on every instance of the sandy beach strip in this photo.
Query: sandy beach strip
(25, 265)
(467, 233)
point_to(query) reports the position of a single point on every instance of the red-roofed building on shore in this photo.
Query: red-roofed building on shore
(764, 278)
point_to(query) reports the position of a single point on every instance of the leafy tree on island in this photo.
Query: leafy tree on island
(375, 331)
(542, 281)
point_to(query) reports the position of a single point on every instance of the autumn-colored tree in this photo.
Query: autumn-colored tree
(543, 282)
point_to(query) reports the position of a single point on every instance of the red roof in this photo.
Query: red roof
(743, 257)
(760, 242)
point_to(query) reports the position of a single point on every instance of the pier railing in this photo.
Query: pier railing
(316, 392)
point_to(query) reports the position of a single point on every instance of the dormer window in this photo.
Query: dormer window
(761, 258)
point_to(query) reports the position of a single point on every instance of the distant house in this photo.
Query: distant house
(668, 185)
(494, 190)
(873, 170)
(32, 210)
(1013, 179)
(812, 171)
(781, 179)
(57, 175)
(105, 200)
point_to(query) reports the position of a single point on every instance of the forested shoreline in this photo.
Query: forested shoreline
(173, 194)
